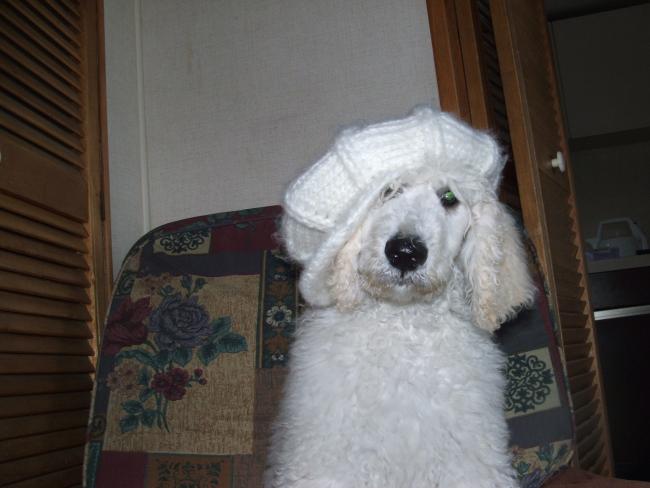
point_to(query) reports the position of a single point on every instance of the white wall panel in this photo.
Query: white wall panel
(238, 96)
(127, 163)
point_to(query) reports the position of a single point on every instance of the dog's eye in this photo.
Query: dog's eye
(448, 199)
(391, 191)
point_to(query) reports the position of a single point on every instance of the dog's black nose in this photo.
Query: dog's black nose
(405, 253)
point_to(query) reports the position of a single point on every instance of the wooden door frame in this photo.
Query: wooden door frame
(448, 60)
(96, 129)
(461, 86)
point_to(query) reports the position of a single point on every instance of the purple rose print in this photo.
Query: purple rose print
(154, 365)
(179, 323)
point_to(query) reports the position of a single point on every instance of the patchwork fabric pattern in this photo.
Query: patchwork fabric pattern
(537, 405)
(194, 356)
(190, 242)
(537, 464)
(531, 383)
(279, 309)
(177, 470)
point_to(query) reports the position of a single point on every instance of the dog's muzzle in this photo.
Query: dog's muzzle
(406, 253)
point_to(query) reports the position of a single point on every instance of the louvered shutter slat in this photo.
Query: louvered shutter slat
(29, 446)
(22, 343)
(32, 384)
(38, 424)
(36, 230)
(27, 285)
(37, 47)
(67, 30)
(16, 263)
(44, 363)
(23, 323)
(18, 406)
(21, 469)
(25, 304)
(38, 87)
(43, 124)
(24, 60)
(41, 250)
(43, 107)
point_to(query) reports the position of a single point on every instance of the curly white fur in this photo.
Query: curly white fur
(398, 383)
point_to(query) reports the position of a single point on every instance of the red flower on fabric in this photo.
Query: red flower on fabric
(179, 376)
(171, 383)
(174, 393)
(125, 325)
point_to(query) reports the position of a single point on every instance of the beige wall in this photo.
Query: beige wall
(604, 67)
(217, 105)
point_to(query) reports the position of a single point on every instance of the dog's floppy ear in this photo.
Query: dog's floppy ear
(496, 267)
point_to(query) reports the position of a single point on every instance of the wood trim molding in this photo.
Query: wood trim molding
(97, 164)
(448, 59)
(457, 57)
(104, 204)
(475, 86)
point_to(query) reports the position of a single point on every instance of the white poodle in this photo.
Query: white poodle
(410, 263)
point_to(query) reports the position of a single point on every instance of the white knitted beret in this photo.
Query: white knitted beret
(326, 203)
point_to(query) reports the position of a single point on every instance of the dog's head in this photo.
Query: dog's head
(427, 222)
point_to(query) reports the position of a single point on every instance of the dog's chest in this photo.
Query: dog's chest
(393, 362)
(385, 400)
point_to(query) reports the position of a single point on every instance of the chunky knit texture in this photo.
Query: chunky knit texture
(326, 203)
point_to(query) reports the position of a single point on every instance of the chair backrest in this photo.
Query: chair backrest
(195, 351)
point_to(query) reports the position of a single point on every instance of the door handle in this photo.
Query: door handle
(558, 162)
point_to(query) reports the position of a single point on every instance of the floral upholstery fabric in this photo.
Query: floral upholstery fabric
(195, 350)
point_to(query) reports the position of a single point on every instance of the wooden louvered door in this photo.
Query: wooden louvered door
(495, 70)
(54, 272)
(549, 207)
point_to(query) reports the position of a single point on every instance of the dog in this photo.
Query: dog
(409, 264)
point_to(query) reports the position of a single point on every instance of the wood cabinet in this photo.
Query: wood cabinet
(621, 300)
